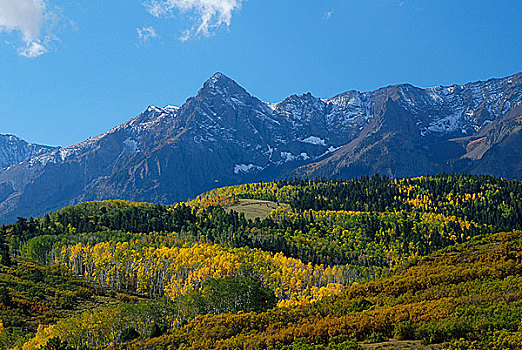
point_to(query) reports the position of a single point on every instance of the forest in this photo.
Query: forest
(343, 264)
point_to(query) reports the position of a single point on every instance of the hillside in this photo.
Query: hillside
(225, 136)
(32, 295)
(468, 296)
(336, 265)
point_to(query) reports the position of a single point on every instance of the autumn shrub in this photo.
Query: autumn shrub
(129, 334)
(405, 330)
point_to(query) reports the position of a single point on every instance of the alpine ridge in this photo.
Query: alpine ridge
(14, 150)
(225, 136)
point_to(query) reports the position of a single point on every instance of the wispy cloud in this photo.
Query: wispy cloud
(32, 49)
(328, 15)
(208, 14)
(146, 33)
(33, 20)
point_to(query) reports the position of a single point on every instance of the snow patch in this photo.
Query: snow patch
(153, 109)
(272, 106)
(270, 152)
(237, 101)
(314, 140)
(131, 145)
(289, 157)
(246, 168)
(447, 124)
(170, 109)
(330, 149)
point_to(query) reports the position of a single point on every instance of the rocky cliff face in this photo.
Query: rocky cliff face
(416, 131)
(14, 150)
(225, 136)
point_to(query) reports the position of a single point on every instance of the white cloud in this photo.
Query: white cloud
(146, 33)
(209, 14)
(33, 49)
(32, 19)
(328, 15)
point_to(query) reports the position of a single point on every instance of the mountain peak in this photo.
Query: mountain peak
(14, 150)
(220, 79)
(220, 84)
(219, 75)
(10, 137)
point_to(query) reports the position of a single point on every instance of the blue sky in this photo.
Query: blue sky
(72, 69)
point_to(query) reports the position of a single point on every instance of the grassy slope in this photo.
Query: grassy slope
(255, 208)
(399, 344)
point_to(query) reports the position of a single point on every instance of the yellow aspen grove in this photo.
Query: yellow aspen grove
(175, 271)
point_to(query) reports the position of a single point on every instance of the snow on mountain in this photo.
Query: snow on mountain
(461, 109)
(314, 140)
(246, 168)
(275, 133)
(14, 150)
(135, 131)
(228, 110)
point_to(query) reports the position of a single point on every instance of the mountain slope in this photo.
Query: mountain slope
(14, 150)
(424, 131)
(225, 136)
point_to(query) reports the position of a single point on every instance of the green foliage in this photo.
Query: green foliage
(129, 334)
(158, 330)
(482, 199)
(5, 297)
(56, 344)
(304, 344)
(379, 222)
(360, 305)
(406, 330)
(228, 295)
(5, 255)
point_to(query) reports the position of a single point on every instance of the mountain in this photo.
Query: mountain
(14, 150)
(226, 136)
(471, 128)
